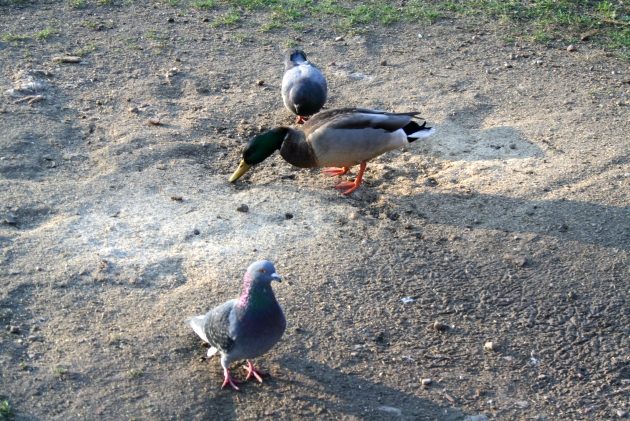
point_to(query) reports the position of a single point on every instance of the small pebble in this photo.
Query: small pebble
(340, 38)
(383, 62)
(243, 208)
(571, 48)
(426, 382)
(260, 82)
(288, 215)
(507, 65)
(196, 232)
(177, 198)
(489, 346)
(14, 329)
(439, 326)
(430, 182)
(621, 413)
(154, 121)
(67, 59)
(10, 219)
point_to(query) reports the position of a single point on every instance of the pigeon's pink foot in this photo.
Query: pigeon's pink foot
(335, 171)
(227, 379)
(352, 185)
(301, 119)
(252, 372)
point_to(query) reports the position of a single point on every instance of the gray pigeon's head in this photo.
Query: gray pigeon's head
(262, 271)
(296, 56)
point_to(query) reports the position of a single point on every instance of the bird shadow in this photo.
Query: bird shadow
(354, 396)
(569, 220)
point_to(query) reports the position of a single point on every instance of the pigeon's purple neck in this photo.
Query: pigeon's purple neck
(254, 294)
(247, 287)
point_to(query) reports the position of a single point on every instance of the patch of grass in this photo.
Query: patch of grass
(44, 34)
(6, 412)
(232, 17)
(204, 4)
(14, 38)
(77, 4)
(85, 50)
(59, 371)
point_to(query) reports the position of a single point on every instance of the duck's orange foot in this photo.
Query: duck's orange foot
(349, 185)
(335, 171)
(253, 372)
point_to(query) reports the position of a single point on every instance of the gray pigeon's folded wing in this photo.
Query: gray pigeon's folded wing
(217, 326)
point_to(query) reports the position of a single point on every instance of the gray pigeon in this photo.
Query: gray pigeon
(245, 327)
(303, 86)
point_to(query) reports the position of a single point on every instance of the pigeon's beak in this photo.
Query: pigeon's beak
(276, 277)
(242, 169)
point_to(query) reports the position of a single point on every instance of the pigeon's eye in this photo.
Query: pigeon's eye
(262, 271)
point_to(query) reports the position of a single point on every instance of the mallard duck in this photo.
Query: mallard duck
(303, 86)
(338, 139)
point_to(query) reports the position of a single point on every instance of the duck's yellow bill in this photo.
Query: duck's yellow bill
(242, 169)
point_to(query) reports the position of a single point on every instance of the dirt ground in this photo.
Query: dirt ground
(511, 225)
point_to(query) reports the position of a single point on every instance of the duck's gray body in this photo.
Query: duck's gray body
(348, 136)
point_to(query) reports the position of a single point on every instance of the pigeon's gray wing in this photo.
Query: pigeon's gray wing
(217, 326)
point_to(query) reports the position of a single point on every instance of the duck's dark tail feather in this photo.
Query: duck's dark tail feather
(415, 131)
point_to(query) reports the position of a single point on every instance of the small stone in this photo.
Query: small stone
(154, 121)
(177, 198)
(243, 208)
(563, 228)
(621, 413)
(14, 329)
(170, 20)
(339, 38)
(260, 82)
(133, 110)
(480, 417)
(439, 326)
(512, 145)
(383, 62)
(571, 48)
(430, 182)
(507, 65)
(390, 410)
(67, 59)
(489, 346)
(426, 382)
(353, 216)
(288, 215)
(196, 232)
(588, 34)
(10, 219)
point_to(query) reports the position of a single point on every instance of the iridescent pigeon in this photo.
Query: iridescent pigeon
(246, 327)
(303, 86)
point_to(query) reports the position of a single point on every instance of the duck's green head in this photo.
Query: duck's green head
(260, 148)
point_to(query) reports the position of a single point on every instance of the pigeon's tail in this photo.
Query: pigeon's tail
(197, 325)
(415, 131)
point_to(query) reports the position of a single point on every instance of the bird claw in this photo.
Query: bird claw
(300, 119)
(228, 380)
(335, 171)
(252, 372)
(350, 185)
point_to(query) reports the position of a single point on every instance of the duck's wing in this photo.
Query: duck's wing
(358, 119)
